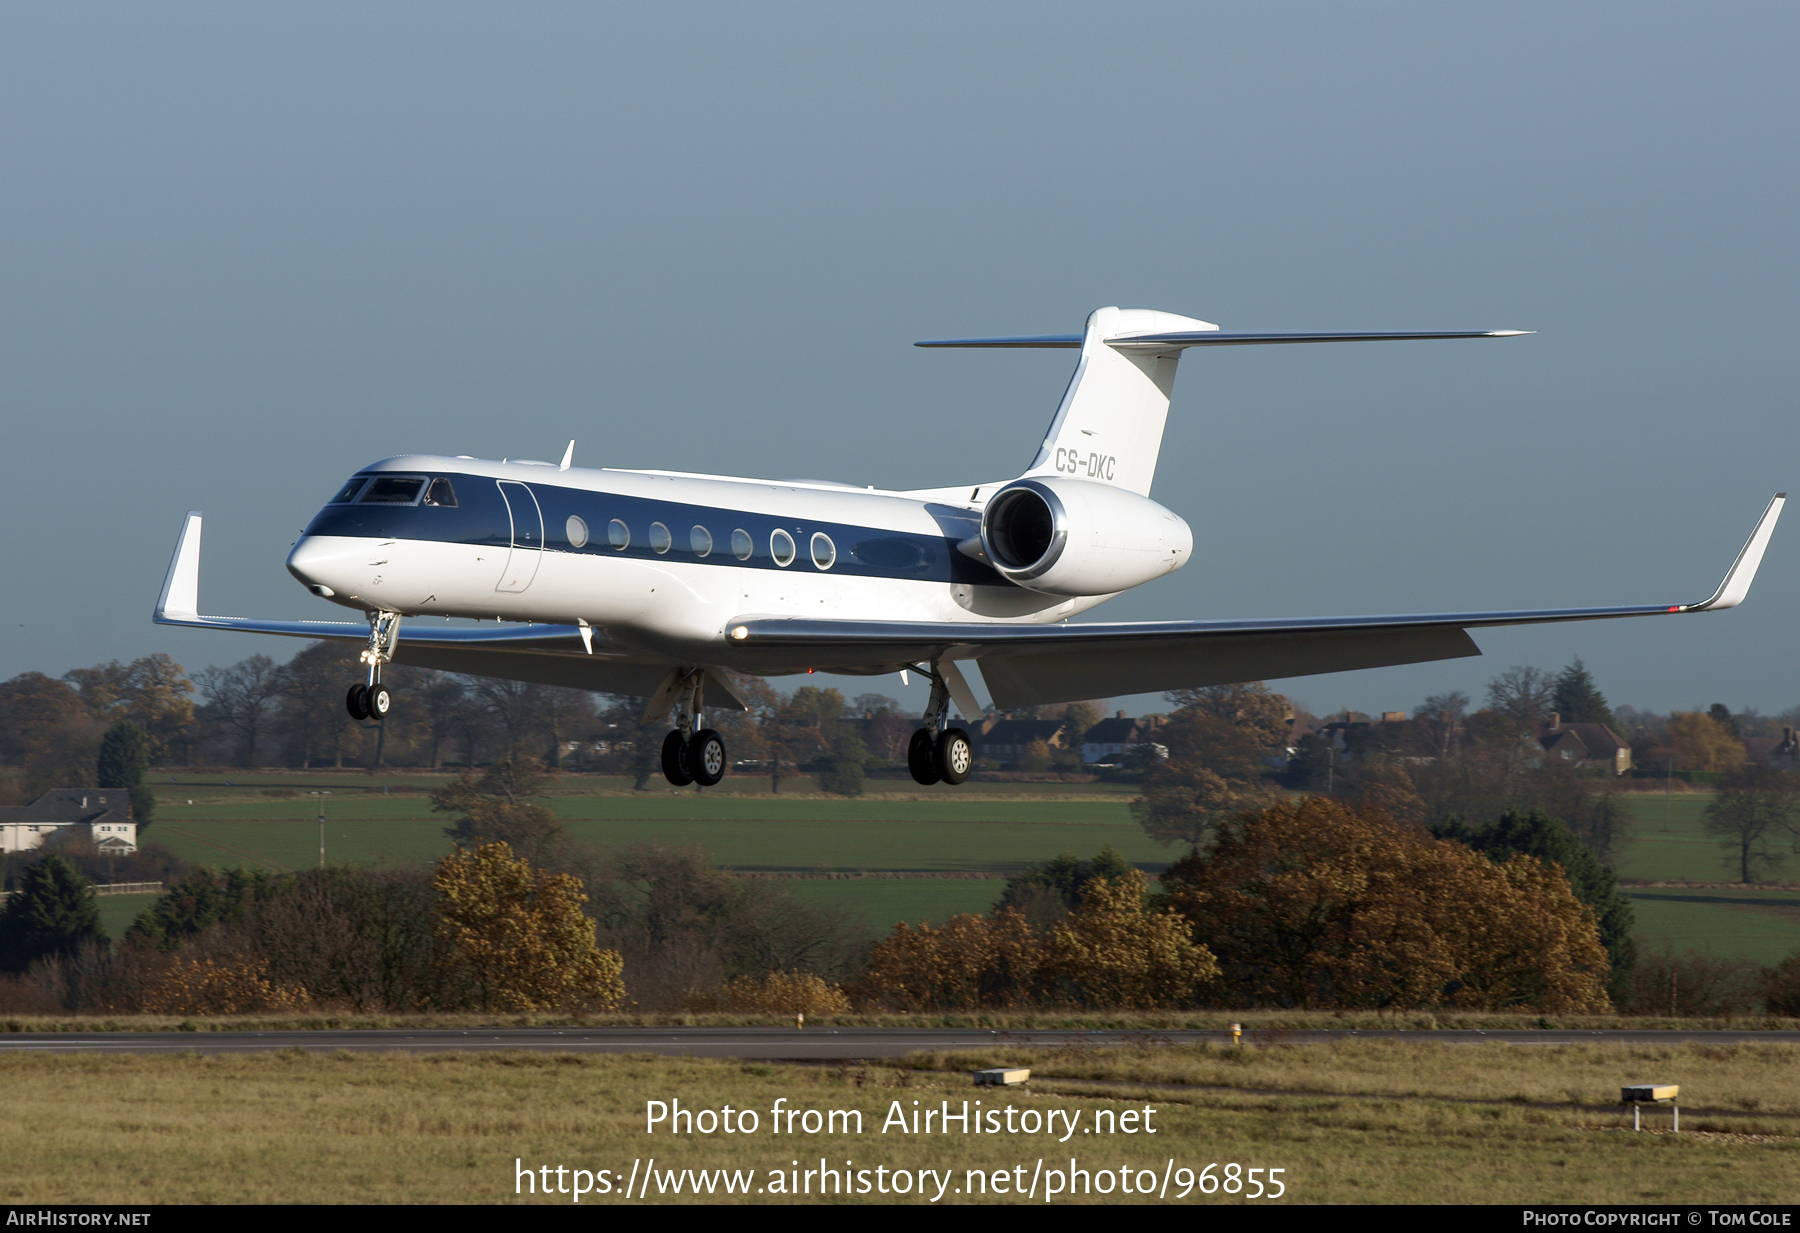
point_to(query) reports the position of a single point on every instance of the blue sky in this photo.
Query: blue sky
(247, 249)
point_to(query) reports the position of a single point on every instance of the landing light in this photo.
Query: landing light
(740, 632)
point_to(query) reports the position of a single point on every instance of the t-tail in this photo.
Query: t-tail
(1109, 426)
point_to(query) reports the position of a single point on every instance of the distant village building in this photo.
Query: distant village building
(1111, 739)
(1585, 745)
(1006, 740)
(103, 813)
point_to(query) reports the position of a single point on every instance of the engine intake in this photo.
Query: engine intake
(1070, 537)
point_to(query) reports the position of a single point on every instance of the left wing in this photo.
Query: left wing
(1025, 665)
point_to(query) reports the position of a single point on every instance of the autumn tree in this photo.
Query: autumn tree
(1214, 769)
(31, 705)
(1317, 904)
(1592, 882)
(971, 961)
(1118, 954)
(519, 936)
(1756, 815)
(495, 808)
(1702, 743)
(153, 692)
(1251, 707)
(1048, 892)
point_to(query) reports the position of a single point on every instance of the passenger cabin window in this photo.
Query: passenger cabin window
(741, 546)
(700, 539)
(781, 547)
(618, 534)
(440, 493)
(824, 552)
(393, 490)
(660, 539)
(348, 492)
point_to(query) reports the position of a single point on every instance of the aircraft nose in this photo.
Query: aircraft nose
(318, 562)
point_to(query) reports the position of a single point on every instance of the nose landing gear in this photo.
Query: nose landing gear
(374, 700)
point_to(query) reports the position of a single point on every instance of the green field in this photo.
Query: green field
(268, 820)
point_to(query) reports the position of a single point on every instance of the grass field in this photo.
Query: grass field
(269, 820)
(1363, 1122)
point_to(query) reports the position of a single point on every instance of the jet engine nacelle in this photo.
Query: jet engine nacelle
(1069, 537)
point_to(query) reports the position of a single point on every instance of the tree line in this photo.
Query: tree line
(257, 712)
(1312, 903)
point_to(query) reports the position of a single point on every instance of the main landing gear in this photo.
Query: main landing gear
(373, 700)
(692, 754)
(937, 752)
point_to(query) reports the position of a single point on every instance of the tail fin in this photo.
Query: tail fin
(1110, 424)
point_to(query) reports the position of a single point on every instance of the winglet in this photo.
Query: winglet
(180, 599)
(1737, 582)
(568, 457)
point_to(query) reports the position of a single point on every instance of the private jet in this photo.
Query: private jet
(656, 584)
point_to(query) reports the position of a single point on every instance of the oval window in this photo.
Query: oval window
(781, 547)
(823, 550)
(577, 532)
(700, 539)
(618, 534)
(741, 544)
(660, 539)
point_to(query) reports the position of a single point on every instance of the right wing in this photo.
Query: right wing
(1025, 665)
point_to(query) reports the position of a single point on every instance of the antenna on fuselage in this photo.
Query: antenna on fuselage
(568, 457)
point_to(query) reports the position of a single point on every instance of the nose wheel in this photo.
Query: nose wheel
(364, 702)
(372, 699)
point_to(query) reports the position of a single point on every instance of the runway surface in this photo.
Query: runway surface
(779, 1044)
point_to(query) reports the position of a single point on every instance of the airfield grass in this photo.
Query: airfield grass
(299, 1126)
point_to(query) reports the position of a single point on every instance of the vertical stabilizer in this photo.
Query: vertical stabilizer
(1110, 424)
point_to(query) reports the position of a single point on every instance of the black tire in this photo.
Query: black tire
(379, 702)
(955, 756)
(676, 768)
(706, 757)
(357, 702)
(921, 757)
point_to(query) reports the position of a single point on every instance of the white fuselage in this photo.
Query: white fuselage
(659, 560)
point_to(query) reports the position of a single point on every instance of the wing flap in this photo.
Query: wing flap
(1029, 678)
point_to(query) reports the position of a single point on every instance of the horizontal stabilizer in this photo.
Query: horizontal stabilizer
(1209, 338)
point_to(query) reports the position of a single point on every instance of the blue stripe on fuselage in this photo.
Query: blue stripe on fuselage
(480, 518)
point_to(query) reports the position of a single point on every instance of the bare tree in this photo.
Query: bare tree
(241, 698)
(1522, 696)
(1753, 815)
(1439, 717)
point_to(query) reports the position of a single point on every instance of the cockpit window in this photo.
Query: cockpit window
(348, 493)
(440, 493)
(393, 490)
